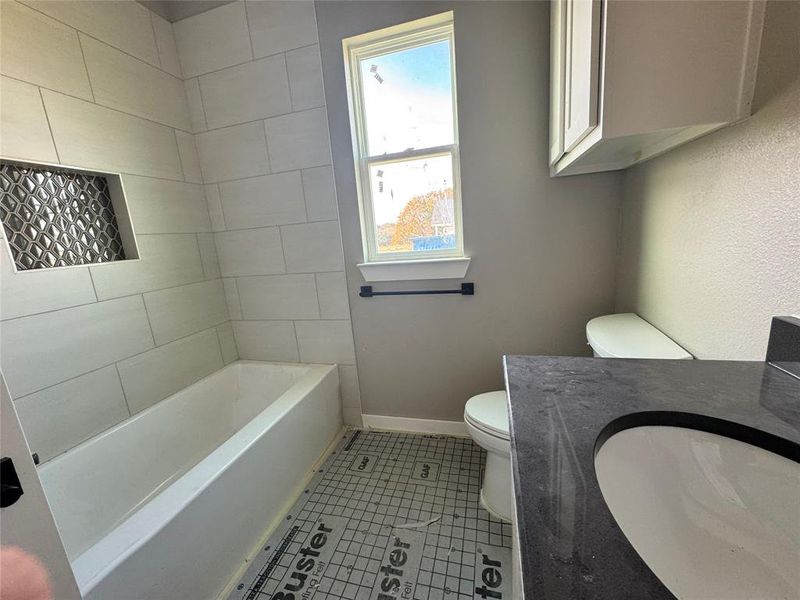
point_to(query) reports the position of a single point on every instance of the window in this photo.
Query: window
(402, 96)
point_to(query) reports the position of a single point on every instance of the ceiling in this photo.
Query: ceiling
(175, 10)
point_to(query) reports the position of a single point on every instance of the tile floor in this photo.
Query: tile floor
(389, 515)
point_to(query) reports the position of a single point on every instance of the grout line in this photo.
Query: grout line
(32, 7)
(249, 33)
(86, 67)
(149, 324)
(161, 289)
(238, 297)
(178, 149)
(49, 125)
(105, 106)
(270, 173)
(283, 250)
(122, 387)
(47, 387)
(202, 104)
(200, 254)
(288, 82)
(319, 303)
(303, 189)
(266, 144)
(219, 344)
(266, 118)
(296, 341)
(254, 59)
(155, 43)
(94, 289)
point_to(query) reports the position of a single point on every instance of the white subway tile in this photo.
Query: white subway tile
(232, 298)
(24, 132)
(227, 343)
(312, 247)
(208, 253)
(247, 92)
(250, 252)
(156, 374)
(281, 25)
(95, 137)
(213, 40)
(325, 342)
(63, 416)
(190, 161)
(41, 50)
(161, 206)
(197, 116)
(278, 297)
(165, 43)
(266, 340)
(125, 83)
(214, 207)
(40, 290)
(124, 25)
(167, 260)
(263, 201)
(49, 348)
(298, 140)
(333, 299)
(320, 194)
(348, 384)
(305, 77)
(178, 312)
(233, 152)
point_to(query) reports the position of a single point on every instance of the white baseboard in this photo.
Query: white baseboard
(387, 423)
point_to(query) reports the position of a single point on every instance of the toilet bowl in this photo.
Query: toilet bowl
(486, 419)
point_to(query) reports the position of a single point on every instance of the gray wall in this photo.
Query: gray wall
(543, 250)
(710, 244)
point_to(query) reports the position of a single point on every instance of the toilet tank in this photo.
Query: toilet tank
(627, 335)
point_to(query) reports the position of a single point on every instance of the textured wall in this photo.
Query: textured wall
(254, 86)
(542, 249)
(710, 246)
(98, 85)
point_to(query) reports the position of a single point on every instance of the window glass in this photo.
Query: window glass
(408, 100)
(412, 202)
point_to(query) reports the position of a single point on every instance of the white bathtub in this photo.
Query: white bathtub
(169, 503)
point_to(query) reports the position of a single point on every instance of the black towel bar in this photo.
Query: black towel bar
(467, 289)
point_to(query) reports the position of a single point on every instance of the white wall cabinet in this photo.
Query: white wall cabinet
(631, 79)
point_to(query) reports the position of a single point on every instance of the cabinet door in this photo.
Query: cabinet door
(558, 37)
(581, 70)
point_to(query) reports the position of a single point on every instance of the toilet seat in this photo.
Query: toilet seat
(489, 414)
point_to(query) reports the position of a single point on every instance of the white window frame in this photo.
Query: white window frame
(377, 266)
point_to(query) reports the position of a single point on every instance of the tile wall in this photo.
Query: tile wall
(99, 85)
(254, 88)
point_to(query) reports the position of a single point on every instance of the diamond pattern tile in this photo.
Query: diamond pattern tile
(56, 218)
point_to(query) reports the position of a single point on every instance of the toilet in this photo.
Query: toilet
(624, 335)
(486, 419)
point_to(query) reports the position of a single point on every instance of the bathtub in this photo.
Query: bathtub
(170, 503)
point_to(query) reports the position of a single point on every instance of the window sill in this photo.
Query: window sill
(413, 270)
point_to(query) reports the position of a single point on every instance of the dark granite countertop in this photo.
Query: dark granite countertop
(570, 544)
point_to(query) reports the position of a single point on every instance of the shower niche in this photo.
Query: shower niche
(55, 217)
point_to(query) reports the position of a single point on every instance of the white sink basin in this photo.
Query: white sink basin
(711, 516)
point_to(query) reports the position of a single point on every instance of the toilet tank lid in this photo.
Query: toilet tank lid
(627, 335)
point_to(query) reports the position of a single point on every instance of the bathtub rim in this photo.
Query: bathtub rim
(99, 560)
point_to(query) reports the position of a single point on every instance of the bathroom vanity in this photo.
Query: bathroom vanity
(562, 412)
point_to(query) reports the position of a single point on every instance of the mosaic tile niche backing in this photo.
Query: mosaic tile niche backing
(389, 516)
(57, 218)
